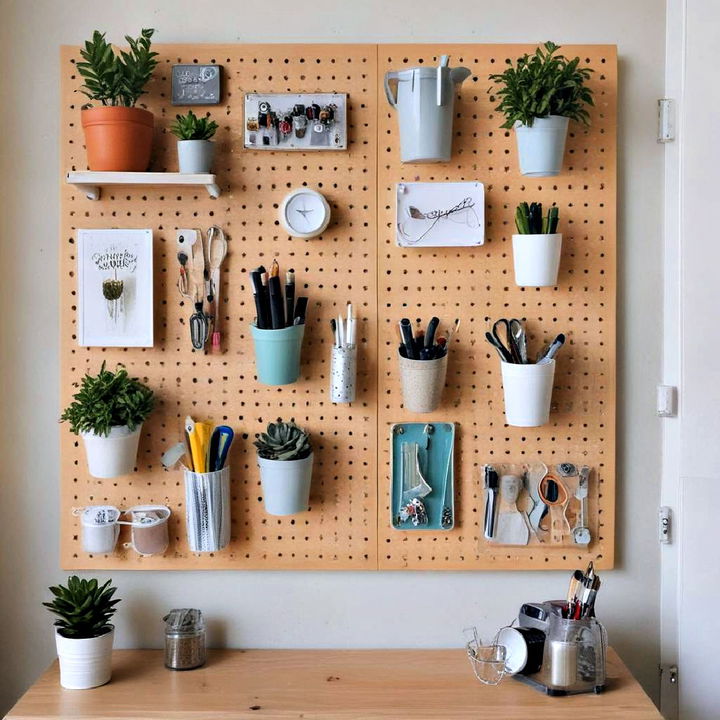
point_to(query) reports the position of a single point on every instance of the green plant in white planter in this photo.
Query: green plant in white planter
(538, 96)
(195, 147)
(285, 459)
(108, 412)
(84, 635)
(536, 246)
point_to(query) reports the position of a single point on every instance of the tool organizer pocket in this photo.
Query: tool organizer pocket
(343, 374)
(536, 504)
(207, 510)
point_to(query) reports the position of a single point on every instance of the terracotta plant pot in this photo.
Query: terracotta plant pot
(118, 139)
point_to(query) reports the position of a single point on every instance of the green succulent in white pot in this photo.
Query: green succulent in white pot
(538, 96)
(195, 146)
(285, 459)
(108, 412)
(83, 632)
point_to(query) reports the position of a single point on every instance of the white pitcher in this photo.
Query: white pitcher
(424, 99)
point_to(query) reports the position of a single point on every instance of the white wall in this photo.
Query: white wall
(309, 609)
(699, 456)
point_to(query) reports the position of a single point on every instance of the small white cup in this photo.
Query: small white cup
(528, 393)
(100, 528)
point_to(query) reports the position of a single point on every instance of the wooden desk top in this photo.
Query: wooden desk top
(321, 685)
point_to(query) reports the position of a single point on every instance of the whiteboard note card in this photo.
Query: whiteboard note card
(115, 288)
(437, 214)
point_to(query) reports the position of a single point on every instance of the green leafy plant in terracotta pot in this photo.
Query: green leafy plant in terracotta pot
(107, 413)
(285, 459)
(83, 632)
(195, 147)
(118, 135)
(539, 95)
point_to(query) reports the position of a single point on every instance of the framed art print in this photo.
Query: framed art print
(115, 288)
(440, 214)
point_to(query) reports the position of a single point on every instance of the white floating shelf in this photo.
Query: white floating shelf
(91, 182)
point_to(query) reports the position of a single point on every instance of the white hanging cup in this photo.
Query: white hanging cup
(286, 485)
(100, 528)
(541, 147)
(536, 259)
(113, 455)
(85, 662)
(149, 529)
(528, 393)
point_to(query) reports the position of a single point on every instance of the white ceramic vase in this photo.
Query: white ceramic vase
(85, 663)
(114, 455)
(195, 156)
(528, 393)
(286, 485)
(536, 259)
(541, 147)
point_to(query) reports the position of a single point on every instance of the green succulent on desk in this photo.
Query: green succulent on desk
(108, 399)
(283, 441)
(529, 219)
(84, 608)
(192, 127)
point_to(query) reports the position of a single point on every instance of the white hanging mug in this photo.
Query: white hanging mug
(100, 528)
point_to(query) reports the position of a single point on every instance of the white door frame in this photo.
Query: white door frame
(670, 494)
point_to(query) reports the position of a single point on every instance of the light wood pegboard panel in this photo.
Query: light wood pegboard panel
(340, 529)
(476, 285)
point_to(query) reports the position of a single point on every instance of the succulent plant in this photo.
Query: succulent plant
(107, 400)
(84, 607)
(529, 219)
(283, 441)
(192, 127)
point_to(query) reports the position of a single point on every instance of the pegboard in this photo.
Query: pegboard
(356, 259)
(340, 530)
(477, 285)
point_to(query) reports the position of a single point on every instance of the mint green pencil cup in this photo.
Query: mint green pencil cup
(277, 354)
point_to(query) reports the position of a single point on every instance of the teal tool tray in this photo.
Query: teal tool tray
(436, 459)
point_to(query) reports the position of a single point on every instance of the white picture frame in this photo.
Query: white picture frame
(333, 135)
(440, 214)
(115, 288)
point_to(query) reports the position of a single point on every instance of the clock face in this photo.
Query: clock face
(305, 213)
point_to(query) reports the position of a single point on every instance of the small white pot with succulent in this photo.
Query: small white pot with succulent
(84, 635)
(195, 148)
(537, 246)
(539, 95)
(107, 413)
(285, 459)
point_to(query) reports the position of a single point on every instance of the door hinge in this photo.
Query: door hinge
(669, 691)
(666, 402)
(665, 525)
(669, 673)
(666, 120)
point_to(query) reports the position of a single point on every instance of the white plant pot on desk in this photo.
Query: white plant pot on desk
(536, 259)
(195, 156)
(286, 485)
(114, 455)
(541, 147)
(85, 662)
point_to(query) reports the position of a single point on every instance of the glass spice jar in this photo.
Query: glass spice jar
(184, 639)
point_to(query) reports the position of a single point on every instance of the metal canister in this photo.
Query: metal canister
(184, 639)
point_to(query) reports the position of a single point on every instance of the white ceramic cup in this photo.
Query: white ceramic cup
(528, 393)
(536, 259)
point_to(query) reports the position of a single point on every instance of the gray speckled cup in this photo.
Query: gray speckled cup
(343, 370)
(422, 383)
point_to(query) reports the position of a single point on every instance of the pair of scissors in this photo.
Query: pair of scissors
(509, 339)
(553, 493)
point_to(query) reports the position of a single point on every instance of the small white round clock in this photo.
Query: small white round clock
(304, 213)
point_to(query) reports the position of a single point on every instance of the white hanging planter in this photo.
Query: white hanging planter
(195, 156)
(85, 662)
(541, 147)
(286, 484)
(536, 259)
(527, 390)
(114, 455)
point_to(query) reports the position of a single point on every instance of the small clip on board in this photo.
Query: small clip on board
(422, 476)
